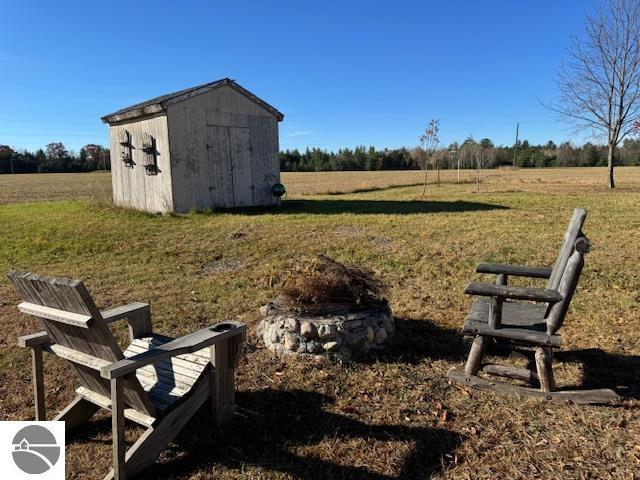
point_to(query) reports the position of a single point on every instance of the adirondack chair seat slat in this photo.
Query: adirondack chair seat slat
(168, 387)
(200, 357)
(176, 364)
(187, 344)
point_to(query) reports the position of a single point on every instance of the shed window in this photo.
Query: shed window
(124, 138)
(149, 157)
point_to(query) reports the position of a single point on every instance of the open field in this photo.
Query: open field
(96, 186)
(396, 415)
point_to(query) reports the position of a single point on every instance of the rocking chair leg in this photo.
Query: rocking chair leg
(544, 360)
(475, 355)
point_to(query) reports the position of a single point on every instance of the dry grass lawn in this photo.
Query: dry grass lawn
(394, 415)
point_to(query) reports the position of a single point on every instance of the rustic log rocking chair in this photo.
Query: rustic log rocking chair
(157, 382)
(529, 317)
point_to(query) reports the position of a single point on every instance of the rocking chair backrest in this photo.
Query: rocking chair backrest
(567, 248)
(567, 287)
(79, 327)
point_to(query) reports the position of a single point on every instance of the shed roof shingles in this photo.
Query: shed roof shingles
(159, 104)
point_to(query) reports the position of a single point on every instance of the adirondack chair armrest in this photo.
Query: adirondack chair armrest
(514, 270)
(137, 314)
(511, 292)
(188, 344)
(34, 339)
(126, 311)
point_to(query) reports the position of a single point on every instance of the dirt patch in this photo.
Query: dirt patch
(348, 231)
(222, 265)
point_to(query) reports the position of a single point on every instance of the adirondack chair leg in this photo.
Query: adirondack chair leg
(475, 355)
(154, 440)
(544, 361)
(38, 382)
(117, 427)
(223, 359)
(76, 413)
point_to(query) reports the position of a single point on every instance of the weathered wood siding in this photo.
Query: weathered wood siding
(207, 132)
(133, 187)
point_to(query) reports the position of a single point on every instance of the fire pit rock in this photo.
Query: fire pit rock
(344, 333)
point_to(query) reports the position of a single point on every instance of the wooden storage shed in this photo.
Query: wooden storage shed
(215, 145)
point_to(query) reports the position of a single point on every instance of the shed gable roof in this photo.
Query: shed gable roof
(159, 104)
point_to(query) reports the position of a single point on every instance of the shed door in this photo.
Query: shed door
(241, 166)
(230, 167)
(220, 169)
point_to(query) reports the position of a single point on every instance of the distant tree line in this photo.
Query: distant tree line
(54, 158)
(470, 153)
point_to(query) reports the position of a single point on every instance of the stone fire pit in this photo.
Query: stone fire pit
(345, 333)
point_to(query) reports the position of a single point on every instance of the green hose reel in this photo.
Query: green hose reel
(278, 190)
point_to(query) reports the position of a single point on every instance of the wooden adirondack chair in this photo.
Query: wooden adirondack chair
(157, 382)
(529, 317)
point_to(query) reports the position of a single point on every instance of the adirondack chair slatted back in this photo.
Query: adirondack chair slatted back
(567, 287)
(566, 250)
(97, 340)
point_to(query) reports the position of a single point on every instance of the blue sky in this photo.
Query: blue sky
(344, 73)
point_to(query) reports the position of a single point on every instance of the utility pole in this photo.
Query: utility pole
(453, 154)
(515, 146)
(478, 167)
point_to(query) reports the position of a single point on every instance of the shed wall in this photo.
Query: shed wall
(133, 187)
(198, 181)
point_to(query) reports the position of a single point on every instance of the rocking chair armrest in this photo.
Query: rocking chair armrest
(126, 311)
(514, 270)
(190, 343)
(516, 293)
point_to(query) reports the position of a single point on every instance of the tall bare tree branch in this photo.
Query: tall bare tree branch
(599, 84)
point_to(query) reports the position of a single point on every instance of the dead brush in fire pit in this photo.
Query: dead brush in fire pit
(324, 284)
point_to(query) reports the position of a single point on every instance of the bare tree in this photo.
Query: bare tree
(429, 141)
(600, 82)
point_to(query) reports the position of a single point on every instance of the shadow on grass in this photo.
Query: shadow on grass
(363, 207)
(414, 340)
(271, 424)
(606, 370)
